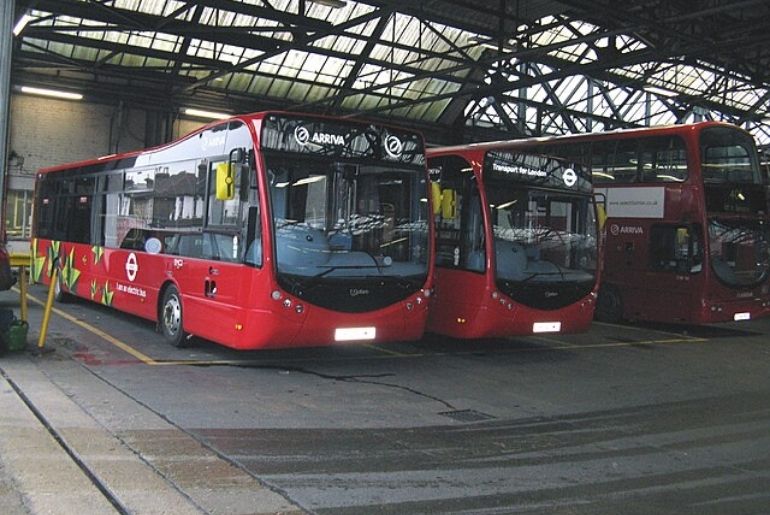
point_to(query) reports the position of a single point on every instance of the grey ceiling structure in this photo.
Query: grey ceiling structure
(460, 70)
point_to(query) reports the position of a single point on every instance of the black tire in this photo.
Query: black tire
(609, 305)
(170, 318)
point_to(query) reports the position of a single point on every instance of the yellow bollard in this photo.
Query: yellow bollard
(23, 289)
(48, 308)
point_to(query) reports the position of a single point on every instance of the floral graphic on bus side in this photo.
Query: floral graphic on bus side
(38, 262)
(107, 294)
(94, 289)
(52, 254)
(69, 273)
(98, 252)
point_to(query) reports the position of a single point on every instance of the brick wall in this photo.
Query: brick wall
(46, 132)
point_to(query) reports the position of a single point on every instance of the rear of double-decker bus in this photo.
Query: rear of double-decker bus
(348, 235)
(516, 249)
(737, 232)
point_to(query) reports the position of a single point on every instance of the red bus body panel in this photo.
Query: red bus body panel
(242, 316)
(463, 307)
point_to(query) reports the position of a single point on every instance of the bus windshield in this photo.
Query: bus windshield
(541, 236)
(739, 251)
(339, 219)
(728, 156)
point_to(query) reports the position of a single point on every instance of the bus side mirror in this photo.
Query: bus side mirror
(225, 181)
(600, 200)
(601, 215)
(435, 197)
(448, 204)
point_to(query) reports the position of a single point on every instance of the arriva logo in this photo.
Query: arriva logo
(303, 137)
(394, 147)
(323, 138)
(355, 292)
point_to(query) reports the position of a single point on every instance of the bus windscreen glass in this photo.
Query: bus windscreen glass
(345, 224)
(728, 156)
(739, 251)
(543, 238)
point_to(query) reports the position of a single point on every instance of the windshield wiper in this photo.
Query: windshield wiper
(332, 268)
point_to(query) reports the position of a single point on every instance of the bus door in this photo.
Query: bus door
(668, 277)
(210, 268)
(460, 243)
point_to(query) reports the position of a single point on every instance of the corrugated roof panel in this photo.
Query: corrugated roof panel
(316, 93)
(279, 88)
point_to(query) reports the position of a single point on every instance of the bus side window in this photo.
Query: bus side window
(253, 245)
(663, 159)
(615, 161)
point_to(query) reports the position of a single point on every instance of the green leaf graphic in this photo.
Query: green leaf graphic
(98, 252)
(70, 274)
(107, 294)
(38, 262)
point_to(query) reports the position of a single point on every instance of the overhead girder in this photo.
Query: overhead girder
(674, 36)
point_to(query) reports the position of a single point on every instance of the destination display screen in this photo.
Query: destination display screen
(341, 140)
(536, 169)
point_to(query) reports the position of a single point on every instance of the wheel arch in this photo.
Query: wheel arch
(161, 293)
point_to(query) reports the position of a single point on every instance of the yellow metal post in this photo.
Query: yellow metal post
(23, 294)
(48, 308)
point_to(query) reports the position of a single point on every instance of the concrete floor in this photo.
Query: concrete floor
(623, 419)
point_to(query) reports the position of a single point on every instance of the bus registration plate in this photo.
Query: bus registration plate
(546, 327)
(349, 334)
(742, 316)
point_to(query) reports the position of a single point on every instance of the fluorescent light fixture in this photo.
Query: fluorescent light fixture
(605, 175)
(199, 113)
(21, 24)
(55, 93)
(669, 178)
(309, 180)
(660, 91)
(334, 4)
(507, 204)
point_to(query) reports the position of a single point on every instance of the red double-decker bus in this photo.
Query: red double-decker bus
(516, 240)
(687, 227)
(264, 230)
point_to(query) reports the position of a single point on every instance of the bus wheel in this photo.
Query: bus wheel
(609, 305)
(59, 295)
(171, 318)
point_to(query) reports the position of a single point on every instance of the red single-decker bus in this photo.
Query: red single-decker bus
(264, 230)
(516, 247)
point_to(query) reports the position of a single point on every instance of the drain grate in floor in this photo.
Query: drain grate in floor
(467, 415)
